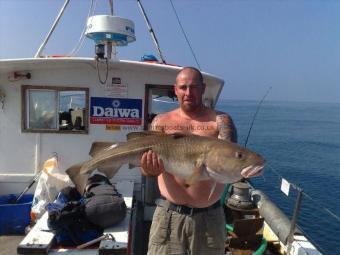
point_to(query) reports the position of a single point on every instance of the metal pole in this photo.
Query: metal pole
(151, 31)
(111, 6)
(109, 44)
(108, 50)
(42, 46)
(294, 218)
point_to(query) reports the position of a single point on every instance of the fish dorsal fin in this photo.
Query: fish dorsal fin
(99, 146)
(134, 135)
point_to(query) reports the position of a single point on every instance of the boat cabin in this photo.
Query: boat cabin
(58, 106)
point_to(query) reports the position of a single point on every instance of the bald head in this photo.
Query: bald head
(189, 70)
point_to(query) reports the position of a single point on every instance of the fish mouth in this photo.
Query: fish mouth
(252, 171)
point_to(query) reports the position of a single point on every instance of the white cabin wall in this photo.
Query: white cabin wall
(16, 153)
(17, 149)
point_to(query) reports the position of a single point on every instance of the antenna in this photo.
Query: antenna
(42, 46)
(257, 110)
(153, 35)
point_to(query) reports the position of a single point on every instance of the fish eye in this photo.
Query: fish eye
(238, 154)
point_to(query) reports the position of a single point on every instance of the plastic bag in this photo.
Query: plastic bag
(52, 180)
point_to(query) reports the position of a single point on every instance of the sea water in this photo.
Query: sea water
(301, 143)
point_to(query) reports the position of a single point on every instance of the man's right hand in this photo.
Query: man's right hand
(151, 164)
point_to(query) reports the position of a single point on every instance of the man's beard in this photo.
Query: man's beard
(190, 107)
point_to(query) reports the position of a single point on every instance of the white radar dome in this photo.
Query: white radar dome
(106, 28)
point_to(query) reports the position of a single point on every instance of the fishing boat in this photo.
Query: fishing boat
(57, 106)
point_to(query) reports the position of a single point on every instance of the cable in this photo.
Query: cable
(107, 71)
(276, 172)
(323, 207)
(80, 42)
(320, 206)
(185, 36)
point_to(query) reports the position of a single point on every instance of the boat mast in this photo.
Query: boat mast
(109, 43)
(42, 46)
(111, 6)
(151, 31)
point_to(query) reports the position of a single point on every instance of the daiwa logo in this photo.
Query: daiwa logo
(115, 111)
(99, 111)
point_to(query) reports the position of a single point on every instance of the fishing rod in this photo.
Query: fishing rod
(254, 117)
(35, 178)
(153, 35)
(251, 126)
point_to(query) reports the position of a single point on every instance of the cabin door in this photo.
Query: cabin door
(158, 99)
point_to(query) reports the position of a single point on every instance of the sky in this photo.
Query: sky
(291, 46)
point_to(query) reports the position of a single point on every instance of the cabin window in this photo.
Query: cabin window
(158, 98)
(54, 109)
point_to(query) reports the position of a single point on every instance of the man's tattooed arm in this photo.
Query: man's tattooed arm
(155, 124)
(226, 127)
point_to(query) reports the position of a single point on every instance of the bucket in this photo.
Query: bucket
(14, 217)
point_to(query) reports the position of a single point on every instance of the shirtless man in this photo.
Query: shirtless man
(176, 227)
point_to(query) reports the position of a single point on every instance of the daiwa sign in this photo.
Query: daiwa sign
(121, 111)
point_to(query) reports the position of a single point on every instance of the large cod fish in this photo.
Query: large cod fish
(191, 157)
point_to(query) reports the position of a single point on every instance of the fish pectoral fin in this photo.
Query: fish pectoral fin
(193, 178)
(213, 187)
(197, 172)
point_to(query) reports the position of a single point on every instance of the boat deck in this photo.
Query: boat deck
(9, 244)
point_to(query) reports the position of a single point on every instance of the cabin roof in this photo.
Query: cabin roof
(11, 65)
(8, 66)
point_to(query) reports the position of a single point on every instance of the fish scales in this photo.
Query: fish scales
(179, 155)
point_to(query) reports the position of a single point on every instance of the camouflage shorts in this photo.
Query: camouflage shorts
(174, 233)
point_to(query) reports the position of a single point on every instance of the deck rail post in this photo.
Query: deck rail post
(296, 212)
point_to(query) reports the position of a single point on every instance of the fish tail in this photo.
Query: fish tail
(79, 180)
